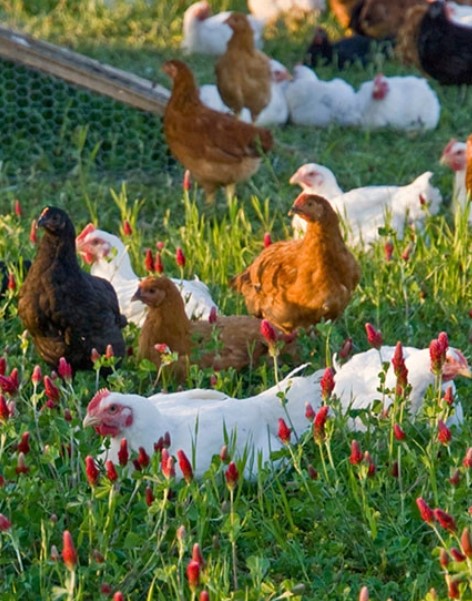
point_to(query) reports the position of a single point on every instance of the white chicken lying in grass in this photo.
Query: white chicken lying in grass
(357, 381)
(110, 260)
(454, 156)
(365, 209)
(312, 101)
(197, 421)
(275, 113)
(205, 33)
(401, 102)
(269, 10)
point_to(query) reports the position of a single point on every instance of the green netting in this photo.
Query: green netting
(48, 126)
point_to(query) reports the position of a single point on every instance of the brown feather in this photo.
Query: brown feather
(243, 75)
(233, 341)
(218, 149)
(297, 283)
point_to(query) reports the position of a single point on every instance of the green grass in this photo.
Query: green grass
(292, 536)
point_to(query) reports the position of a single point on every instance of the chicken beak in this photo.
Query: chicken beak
(294, 179)
(90, 420)
(137, 295)
(294, 211)
(465, 372)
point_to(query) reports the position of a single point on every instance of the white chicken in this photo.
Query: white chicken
(205, 33)
(357, 381)
(459, 13)
(365, 209)
(269, 10)
(110, 260)
(200, 422)
(275, 113)
(312, 101)
(454, 156)
(405, 103)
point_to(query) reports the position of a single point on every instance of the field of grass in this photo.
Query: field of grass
(320, 527)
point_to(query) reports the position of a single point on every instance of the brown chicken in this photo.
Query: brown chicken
(407, 38)
(218, 149)
(232, 341)
(296, 283)
(381, 18)
(243, 74)
(468, 167)
(342, 10)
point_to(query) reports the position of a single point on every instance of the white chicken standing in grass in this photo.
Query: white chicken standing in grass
(402, 102)
(110, 260)
(205, 33)
(275, 113)
(312, 101)
(365, 209)
(454, 156)
(198, 419)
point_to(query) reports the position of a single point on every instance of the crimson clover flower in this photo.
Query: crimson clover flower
(185, 466)
(123, 453)
(327, 383)
(426, 513)
(356, 455)
(69, 554)
(283, 431)
(193, 574)
(91, 471)
(231, 475)
(445, 520)
(112, 474)
(374, 337)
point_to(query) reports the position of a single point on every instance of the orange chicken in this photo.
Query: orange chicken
(296, 283)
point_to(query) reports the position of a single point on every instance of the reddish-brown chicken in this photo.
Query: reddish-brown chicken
(297, 283)
(243, 74)
(218, 149)
(381, 18)
(468, 168)
(407, 37)
(231, 341)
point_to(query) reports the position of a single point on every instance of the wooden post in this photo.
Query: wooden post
(82, 71)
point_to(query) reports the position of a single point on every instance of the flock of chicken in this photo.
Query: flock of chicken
(292, 284)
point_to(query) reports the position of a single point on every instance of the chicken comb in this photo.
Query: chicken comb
(86, 231)
(97, 398)
(449, 145)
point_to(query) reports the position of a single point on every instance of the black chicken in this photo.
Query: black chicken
(346, 51)
(67, 311)
(444, 47)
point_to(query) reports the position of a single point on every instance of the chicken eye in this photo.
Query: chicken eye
(112, 408)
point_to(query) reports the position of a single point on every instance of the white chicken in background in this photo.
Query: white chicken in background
(275, 113)
(312, 101)
(460, 14)
(405, 103)
(204, 33)
(357, 381)
(365, 209)
(196, 421)
(454, 156)
(110, 260)
(269, 10)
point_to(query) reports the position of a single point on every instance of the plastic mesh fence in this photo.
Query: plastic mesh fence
(48, 127)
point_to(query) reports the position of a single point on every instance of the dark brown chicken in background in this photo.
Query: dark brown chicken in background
(218, 149)
(296, 283)
(67, 311)
(238, 339)
(243, 74)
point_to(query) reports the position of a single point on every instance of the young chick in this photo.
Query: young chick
(67, 311)
(218, 149)
(297, 283)
(243, 75)
(237, 338)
